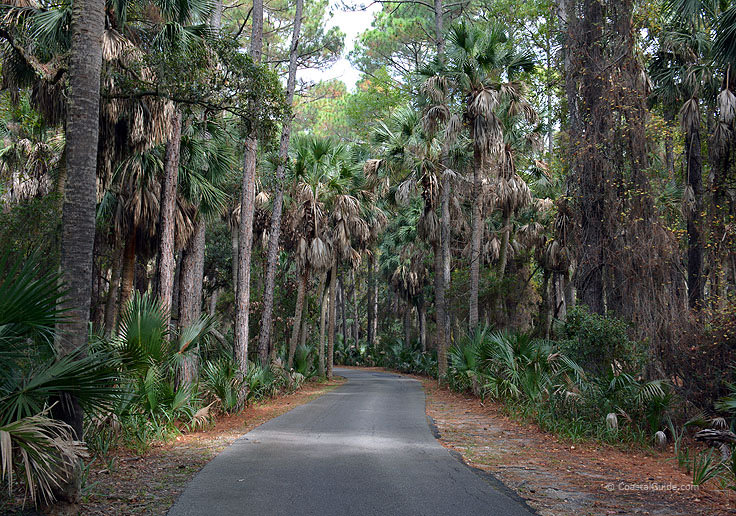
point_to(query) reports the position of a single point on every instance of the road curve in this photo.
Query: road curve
(365, 448)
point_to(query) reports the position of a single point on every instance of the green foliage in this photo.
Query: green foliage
(219, 381)
(598, 342)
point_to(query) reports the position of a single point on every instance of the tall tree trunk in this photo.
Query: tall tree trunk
(476, 234)
(166, 261)
(247, 207)
(356, 324)
(545, 319)
(669, 155)
(442, 262)
(407, 325)
(113, 291)
(694, 171)
(422, 325)
(275, 230)
(440, 307)
(235, 253)
(78, 217)
(343, 312)
(333, 318)
(371, 307)
(504, 252)
(190, 295)
(324, 297)
(127, 280)
(296, 325)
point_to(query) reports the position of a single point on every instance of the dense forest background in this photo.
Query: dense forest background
(532, 200)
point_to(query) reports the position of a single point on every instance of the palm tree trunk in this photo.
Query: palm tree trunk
(333, 318)
(247, 207)
(504, 253)
(166, 262)
(323, 316)
(78, 217)
(439, 305)
(113, 292)
(545, 312)
(127, 280)
(275, 230)
(695, 283)
(476, 233)
(296, 325)
(446, 236)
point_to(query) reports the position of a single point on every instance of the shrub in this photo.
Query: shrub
(597, 342)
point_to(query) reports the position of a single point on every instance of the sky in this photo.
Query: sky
(351, 23)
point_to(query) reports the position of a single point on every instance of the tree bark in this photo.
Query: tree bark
(128, 274)
(247, 207)
(476, 233)
(371, 306)
(323, 316)
(275, 229)
(113, 291)
(343, 312)
(504, 253)
(694, 172)
(333, 318)
(78, 217)
(422, 325)
(440, 308)
(166, 261)
(190, 295)
(356, 325)
(407, 325)
(296, 325)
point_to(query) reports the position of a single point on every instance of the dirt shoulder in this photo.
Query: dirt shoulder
(560, 478)
(150, 483)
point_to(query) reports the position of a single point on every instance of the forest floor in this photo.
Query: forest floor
(565, 478)
(149, 483)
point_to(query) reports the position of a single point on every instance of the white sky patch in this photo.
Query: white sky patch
(351, 23)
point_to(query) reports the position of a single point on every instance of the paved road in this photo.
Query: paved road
(363, 449)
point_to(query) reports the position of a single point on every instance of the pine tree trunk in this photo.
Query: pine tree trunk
(113, 292)
(333, 318)
(235, 254)
(275, 229)
(78, 217)
(247, 207)
(166, 261)
(296, 325)
(190, 295)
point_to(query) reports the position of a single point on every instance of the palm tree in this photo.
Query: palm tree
(481, 66)
(78, 219)
(682, 75)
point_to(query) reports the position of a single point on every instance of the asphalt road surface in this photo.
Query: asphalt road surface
(365, 448)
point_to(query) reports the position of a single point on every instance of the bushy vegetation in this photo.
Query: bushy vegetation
(130, 384)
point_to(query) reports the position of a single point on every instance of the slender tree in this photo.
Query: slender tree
(247, 207)
(275, 229)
